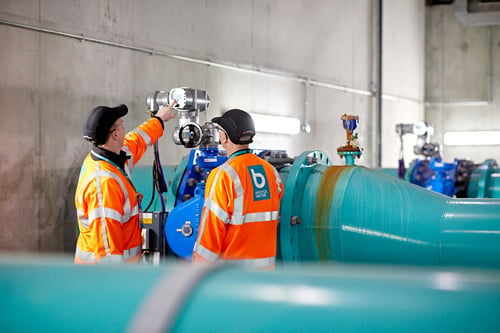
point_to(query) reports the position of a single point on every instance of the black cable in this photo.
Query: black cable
(152, 193)
(162, 186)
(158, 178)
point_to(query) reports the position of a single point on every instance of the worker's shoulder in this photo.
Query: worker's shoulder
(242, 162)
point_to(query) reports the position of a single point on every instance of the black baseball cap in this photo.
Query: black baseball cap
(99, 121)
(238, 125)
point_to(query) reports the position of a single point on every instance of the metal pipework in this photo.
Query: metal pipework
(189, 103)
(423, 130)
(186, 298)
(354, 214)
(188, 99)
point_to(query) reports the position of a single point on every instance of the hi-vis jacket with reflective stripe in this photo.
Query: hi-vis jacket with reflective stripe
(240, 215)
(106, 203)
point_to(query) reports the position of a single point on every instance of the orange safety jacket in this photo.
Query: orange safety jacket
(240, 215)
(106, 202)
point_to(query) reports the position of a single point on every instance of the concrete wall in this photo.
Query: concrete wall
(403, 84)
(463, 81)
(50, 81)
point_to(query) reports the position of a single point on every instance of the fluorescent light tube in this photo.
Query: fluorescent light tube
(276, 124)
(472, 138)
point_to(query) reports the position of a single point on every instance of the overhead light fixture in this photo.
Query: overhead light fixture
(472, 138)
(276, 124)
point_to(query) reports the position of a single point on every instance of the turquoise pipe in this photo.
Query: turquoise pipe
(354, 214)
(393, 172)
(48, 295)
(484, 181)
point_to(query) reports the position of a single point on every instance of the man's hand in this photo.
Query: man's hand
(165, 113)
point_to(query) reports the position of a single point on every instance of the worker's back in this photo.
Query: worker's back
(240, 216)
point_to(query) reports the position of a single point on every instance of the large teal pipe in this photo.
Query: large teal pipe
(484, 181)
(354, 214)
(50, 296)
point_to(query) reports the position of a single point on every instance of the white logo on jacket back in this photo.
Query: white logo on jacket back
(259, 182)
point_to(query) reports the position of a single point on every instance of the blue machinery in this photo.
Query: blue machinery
(461, 178)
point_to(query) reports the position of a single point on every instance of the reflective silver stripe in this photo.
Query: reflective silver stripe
(108, 212)
(278, 179)
(89, 178)
(111, 259)
(237, 217)
(130, 161)
(82, 218)
(260, 217)
(131, 253)
(127, 210)
(217, 210)
(84, 221)
(253, 263)
(204, 216)
(114, 214)
(127, 170)
(135, 210)
(101, 206)
(79, 198)
(207, 254)
(145, 136)
(85, 256)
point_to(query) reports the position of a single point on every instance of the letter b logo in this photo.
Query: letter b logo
(259, 182)
(258, 179)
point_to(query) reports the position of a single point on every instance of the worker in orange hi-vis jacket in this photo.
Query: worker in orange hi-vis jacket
(106, 201)
(242, 196)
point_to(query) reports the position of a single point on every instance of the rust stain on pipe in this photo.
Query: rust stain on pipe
(324, 199)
